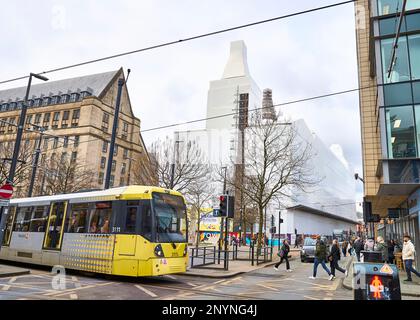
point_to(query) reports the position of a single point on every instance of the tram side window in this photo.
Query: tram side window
(39, 219)
(130, 220)
(23, 219)
(146, 220)
(100, 217)
(76, 220)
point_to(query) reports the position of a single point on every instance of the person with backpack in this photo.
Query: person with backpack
(284, 255)
(320, 258)
(334, 257)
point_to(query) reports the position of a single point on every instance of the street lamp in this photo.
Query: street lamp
(21, 126)
(357, 177)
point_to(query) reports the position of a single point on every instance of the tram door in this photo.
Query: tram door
(55, 225)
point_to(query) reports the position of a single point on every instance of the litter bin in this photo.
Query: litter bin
(376, 281)
(371, 256)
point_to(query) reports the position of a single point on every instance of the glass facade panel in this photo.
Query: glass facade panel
(417, 113)
(404, 171)
(389, 26)
(389, 6)
(400, 71)
(413, 22)
(400, 132)
(414, 45)
(412, 4)
(416, 91)
(397, 94)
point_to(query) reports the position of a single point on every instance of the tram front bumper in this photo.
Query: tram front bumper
(161, 266)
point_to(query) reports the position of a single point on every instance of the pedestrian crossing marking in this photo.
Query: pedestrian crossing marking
(150, 293)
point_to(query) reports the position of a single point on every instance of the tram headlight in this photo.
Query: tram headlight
(159, 251)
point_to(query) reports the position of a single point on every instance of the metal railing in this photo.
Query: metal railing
(203, 257)
(253, 254)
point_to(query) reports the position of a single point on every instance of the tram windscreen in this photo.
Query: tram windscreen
(170, 218)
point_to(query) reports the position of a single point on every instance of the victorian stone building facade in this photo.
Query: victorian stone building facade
(77, 115)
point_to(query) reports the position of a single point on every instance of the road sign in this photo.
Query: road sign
(6, 191)
(4, 203)
(216, 212)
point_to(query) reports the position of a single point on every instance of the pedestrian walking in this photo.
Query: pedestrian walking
(334, 257)
(382, 248)
(320, 258)
(370, 244)
(284, 255)
(391, 248)
(358, 247)
(408, 253)
(344, 246)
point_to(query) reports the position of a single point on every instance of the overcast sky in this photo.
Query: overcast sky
(298, 57)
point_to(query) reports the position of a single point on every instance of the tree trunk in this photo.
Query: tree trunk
(260, 228)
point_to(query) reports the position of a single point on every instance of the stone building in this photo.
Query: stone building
(77, 115)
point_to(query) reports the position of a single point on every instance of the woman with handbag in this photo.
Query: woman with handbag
(334, 257)
(283, 254)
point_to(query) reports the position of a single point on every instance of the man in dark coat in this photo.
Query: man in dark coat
(320, 258)
(358, 247)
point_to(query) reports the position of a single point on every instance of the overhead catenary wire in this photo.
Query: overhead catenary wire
(170, 43)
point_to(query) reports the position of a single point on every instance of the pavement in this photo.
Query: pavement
(236, 267)
(407, 289)
(11, 271)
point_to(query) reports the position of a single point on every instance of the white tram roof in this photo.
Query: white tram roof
(100, 195)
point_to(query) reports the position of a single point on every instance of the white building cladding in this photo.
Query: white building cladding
(329, 206)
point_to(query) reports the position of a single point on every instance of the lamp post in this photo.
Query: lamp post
(21, 125)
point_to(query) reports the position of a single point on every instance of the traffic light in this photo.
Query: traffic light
(223, 205)
(281, 220)
(227, 206)
(272, 221)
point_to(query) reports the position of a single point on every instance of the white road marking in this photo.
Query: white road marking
(150, 293)
(12, 280)
(267, 287)
(5, 288)
(73, 296)
(310, 298)
(191, 284)
(76, 282)
(172, 277)
(218, 281)
(230, 281)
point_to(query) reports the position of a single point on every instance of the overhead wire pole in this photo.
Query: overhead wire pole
(395, 44)
(121, 83)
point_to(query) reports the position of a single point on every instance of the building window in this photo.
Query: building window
(105, 122)
(64, 98)
(412, 4)
(114, 165)
(46, 140)
(85, 94)
(46, 101)
(123, 168)
(401, 70)
(19, 105)
(73, 156)
(4, 106)
(111, 180)
(12, 106)
(55, 144)
(37, 102)
(122, 182)
(397, 94)
(66, 115)
(75, 118)
(74, 97)
(11, 124)
(76, 141)
(64, 157)
(103, 162)
(37, 119)
(389, 6)
(66, 142)
(124, 133)
(105, 146)
(400, 132)
(101, 178)
(115, 150)
(414, 45)
(125, 154)
(56, 116)
(55, 99)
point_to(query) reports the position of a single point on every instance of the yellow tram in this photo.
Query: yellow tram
(131, 231)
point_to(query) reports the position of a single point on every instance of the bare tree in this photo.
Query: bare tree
(198, 195)
(276, 163)
(186, 159)
(65, 176)
(23, 167)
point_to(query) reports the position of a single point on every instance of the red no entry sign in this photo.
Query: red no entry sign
(6, 191)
